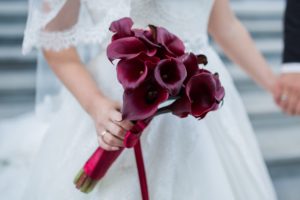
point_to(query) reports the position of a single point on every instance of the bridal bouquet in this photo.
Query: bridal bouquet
(153, 68)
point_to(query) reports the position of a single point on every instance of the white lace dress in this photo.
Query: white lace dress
(212, 159)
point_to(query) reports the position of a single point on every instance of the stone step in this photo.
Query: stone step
(258, 9)
(271, 48)
(15, 53)
(264, 113)
(13, 12)
(11, 81)
(11, 30)
(11, 34)
(242, 81)
(13, 8)
(264, 29)
(280, 145)
(286, 180)
(8, 110)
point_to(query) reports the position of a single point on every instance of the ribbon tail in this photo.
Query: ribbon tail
(141, 170)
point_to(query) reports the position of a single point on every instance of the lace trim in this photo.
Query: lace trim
(60, 40)
(80, 33)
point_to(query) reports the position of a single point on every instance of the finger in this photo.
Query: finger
(115, 129)
(278, 93)
(292, 104)
(125, 124)
(112, 140)
(115, 115)
(298, 108)
(106, 146)
(284, 102)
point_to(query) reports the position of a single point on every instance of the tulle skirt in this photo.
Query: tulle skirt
(212, 159)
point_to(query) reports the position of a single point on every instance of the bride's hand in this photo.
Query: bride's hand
(109, 125)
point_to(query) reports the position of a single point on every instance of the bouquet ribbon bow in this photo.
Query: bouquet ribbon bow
(153, 68)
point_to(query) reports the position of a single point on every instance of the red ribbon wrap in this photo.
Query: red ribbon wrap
(101, 160)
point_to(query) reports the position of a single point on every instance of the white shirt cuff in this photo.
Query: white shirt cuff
(290, 68)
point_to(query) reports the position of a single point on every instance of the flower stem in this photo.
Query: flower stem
(163, 110)
(84, 183)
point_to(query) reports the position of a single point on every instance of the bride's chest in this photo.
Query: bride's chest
(172, 11)
(176, 10)
(186, 18)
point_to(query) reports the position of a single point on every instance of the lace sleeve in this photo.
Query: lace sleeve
(58, 24)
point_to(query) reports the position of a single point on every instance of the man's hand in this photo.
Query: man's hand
(289, 96)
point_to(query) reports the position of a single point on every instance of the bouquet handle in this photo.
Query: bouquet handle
(101, 160)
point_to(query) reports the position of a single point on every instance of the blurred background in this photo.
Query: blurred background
(278, 134)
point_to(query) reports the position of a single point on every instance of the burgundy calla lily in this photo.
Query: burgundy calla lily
(131, 73)
(181, 107)
(172, 44)
(142, 102)
(220, 91)
(205, 93)
(121, 28)
(146, 36)
(170, 74)
(127, 48)
(191, 64)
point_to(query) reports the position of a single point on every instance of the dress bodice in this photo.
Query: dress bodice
(187, 19)
(173, 14)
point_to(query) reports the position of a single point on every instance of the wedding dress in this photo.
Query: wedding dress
(212, 159)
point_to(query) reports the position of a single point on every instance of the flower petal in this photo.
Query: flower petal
(220, 91)
(131, 73)
(126, 48)
(172, 44)
(190, 62)
(201, 90)
(145, 36)
(181, 107)
(170, 74)
(121, 28)
(143, 101)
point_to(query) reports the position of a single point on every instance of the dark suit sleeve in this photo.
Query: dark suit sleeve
(291, 52)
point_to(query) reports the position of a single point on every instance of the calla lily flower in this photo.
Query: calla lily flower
(191, 65)
(143, 101)
(205, 93)
(127, 48)
(170, 74)
(131, 73)
(146, 36)
(220, 91)
(171, 43)
(121, 28)
(181, 107)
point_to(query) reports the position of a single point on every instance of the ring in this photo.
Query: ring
(283, 97)
(103, 133)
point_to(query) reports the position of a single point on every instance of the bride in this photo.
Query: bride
(212, 159)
